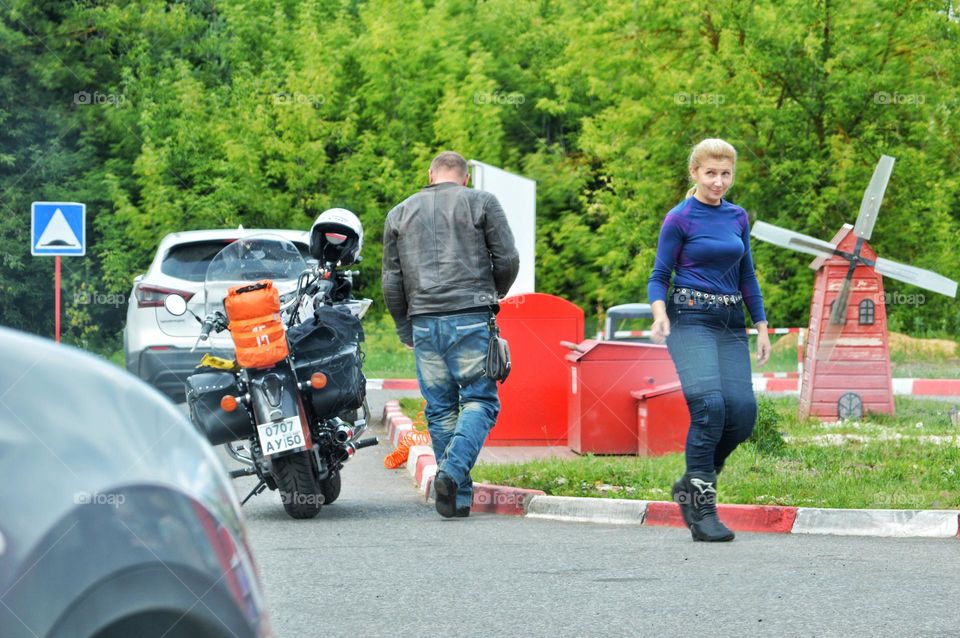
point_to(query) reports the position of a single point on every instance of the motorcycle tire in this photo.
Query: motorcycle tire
(299, 489)
(331, 488)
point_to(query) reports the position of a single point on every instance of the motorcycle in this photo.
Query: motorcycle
(291, 407)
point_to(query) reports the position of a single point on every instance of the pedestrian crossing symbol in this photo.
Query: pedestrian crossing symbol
(58, 228)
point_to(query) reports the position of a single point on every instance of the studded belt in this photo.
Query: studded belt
(690, 297)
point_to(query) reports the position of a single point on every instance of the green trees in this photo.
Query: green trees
(194, 115)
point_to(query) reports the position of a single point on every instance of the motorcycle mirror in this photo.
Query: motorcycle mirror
(175, 305)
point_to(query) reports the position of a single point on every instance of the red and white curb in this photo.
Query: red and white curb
(422, 466)
(774, 519)
(754, 518)
(911, 387)
(392, 384)
(778, 382)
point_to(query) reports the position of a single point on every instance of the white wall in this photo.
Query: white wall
(518, 196)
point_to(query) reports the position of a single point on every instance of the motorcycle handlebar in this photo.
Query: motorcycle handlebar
(205, 330)
(213, 321)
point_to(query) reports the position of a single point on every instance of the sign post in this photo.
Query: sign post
(58, 228)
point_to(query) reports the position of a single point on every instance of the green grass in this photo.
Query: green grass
(411, 406)
(882, 471)
(926, 364)
(781, 359)
(386, 357)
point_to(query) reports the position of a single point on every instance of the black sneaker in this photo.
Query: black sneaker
(462, 512)
(446, 495)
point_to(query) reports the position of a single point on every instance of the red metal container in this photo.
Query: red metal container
(533, 401)
(602, 417)
(662, 419)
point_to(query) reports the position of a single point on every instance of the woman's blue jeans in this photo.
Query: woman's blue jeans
(462, 403)
(708, 344)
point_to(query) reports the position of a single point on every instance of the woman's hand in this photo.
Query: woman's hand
(661, 330)
(661, 323)
(763, 343)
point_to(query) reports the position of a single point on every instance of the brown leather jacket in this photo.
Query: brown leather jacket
(446, 248)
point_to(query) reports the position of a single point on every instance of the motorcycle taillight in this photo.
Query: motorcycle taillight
(153, 296)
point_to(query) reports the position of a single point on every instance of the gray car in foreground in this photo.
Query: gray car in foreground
(116, 517)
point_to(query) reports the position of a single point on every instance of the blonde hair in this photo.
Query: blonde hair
(710, 148)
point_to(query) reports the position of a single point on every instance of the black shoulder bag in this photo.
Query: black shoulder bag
(498, 355)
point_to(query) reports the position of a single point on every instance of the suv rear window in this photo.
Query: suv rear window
(190, 261)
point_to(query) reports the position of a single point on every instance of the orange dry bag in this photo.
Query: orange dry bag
(253, 311)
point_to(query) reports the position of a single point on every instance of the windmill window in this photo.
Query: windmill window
(867, 312)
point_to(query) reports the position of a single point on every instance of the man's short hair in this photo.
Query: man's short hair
(449, 161)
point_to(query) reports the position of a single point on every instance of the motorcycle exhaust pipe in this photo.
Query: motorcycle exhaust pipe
(343, 434)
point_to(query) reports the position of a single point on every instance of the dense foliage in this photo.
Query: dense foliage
(166, 116)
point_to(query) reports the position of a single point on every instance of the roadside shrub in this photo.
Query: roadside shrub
(766, 435)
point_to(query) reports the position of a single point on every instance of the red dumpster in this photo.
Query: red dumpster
(533, 401)
(662, 419)
(602, 417)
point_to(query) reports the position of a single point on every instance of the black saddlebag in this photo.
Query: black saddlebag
(204, 391)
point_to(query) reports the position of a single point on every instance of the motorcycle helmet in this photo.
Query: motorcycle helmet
(336, 237)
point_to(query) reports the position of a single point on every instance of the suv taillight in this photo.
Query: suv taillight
(153, 296)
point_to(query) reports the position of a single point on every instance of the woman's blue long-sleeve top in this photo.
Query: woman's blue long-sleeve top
(708, 247)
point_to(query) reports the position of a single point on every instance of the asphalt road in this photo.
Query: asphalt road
(380, 562)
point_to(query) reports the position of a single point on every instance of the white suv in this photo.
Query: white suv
(157, 344)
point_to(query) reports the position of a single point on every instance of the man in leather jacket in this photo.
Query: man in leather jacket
(448, 257)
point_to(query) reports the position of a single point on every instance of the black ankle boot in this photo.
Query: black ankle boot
(704, 524)
(681, 496)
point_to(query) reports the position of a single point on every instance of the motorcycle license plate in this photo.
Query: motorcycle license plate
(280, 436)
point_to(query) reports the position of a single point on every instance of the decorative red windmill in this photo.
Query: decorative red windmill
(847, 364)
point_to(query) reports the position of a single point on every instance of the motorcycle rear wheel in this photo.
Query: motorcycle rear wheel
(331, 488)
(299, 489)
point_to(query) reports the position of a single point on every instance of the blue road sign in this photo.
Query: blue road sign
(58, 228)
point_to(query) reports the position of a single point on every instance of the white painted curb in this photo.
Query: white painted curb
(416, 451)
(590, 510)
(429, 473)
(890, 523)
(398, 433)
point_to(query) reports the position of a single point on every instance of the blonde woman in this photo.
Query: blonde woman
(705, 244)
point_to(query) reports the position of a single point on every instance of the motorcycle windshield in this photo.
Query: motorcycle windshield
(252, 259)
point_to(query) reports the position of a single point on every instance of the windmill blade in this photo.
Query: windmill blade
(790, 239)
(838, 319)
(873, 197)
(829, 338)
(926, 279)
(838, 316)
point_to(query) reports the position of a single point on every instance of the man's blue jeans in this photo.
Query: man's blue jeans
(462, 403)
(708, 344)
